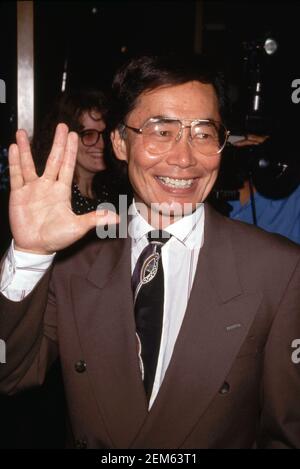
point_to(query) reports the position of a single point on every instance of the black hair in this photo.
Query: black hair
(145, 73)
(68, 108)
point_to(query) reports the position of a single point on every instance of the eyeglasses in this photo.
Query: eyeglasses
(90, 137)
(207, 136)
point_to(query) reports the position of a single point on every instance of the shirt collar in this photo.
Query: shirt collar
(188, 229)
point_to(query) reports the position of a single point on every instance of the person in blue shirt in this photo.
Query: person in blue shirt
(280, 216)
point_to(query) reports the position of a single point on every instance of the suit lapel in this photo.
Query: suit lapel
(216, 322)
(105, 320)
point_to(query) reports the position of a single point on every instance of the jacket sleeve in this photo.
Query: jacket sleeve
(28, 333)
(280, 418)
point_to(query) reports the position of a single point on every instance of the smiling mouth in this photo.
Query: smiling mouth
(176, 183)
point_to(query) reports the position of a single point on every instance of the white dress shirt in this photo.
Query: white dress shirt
(21, 272)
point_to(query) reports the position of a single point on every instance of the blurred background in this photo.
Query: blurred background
(47, 48)
(88, 41)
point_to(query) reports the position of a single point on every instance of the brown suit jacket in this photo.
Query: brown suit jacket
(231, 382)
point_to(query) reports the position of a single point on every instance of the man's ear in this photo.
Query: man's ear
(119, 145)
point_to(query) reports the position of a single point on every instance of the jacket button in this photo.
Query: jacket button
(225, 388)
(80, 444)
(80, 366)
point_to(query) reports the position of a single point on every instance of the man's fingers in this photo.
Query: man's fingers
(15, 171)
(98, 217)
(106, 217)
(57, 152)
(69, 160)
(27, 164)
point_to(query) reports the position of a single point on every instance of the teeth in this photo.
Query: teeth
(180, 183)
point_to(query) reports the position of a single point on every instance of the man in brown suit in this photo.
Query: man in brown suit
(227, 372)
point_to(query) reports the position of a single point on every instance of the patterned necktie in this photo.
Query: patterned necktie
(148, 291)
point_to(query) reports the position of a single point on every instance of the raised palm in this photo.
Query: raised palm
(41, 217)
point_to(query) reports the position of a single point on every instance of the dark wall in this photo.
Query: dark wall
(95, 37)
(228, 25)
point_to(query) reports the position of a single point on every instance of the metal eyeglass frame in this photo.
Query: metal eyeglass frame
(192, 123)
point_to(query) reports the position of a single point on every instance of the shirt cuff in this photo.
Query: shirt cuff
(21, 271)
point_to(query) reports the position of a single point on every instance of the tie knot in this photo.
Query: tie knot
(158, 236)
